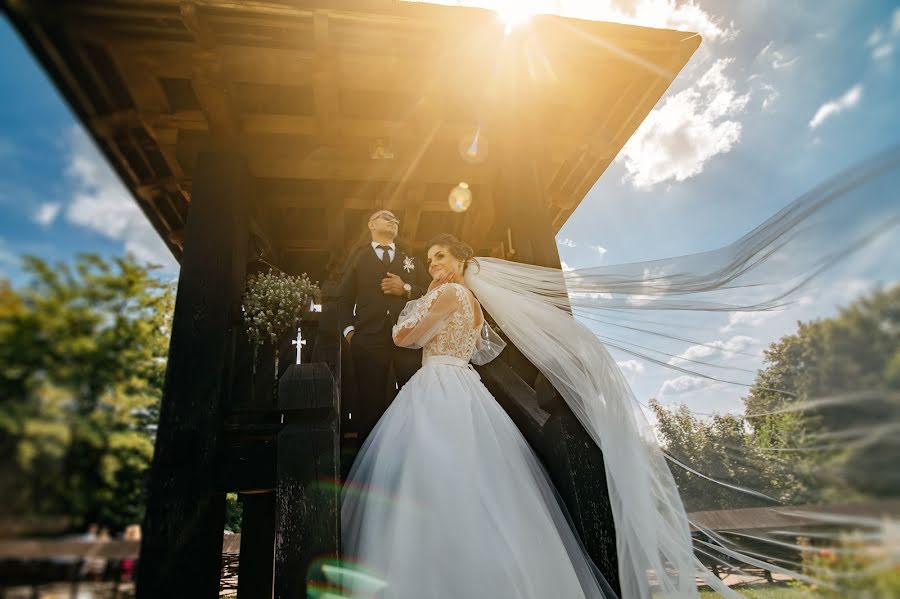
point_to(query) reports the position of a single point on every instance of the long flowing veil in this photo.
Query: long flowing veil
(566, 322)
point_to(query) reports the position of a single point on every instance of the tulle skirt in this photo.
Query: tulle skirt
(447, 500)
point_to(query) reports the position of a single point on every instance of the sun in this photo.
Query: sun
(513, 14)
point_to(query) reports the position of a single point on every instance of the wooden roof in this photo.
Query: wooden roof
(343, 107)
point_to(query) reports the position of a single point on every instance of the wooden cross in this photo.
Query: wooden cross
(299, 342)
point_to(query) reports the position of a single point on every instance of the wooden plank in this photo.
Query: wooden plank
(325, 86)
(415, 203)
(480, 218)
(181, 548)
(197, 25)
(268, 160)
(791, 516)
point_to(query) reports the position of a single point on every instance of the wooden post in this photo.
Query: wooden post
(181, 548)
(575, 464)
(307, 499)
(256, 573)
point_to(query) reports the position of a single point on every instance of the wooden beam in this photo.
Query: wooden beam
(415, 202)
(181, 547)
(480, 218)
(325, 87)
(199, 27)
(215, 94)
(281, 161)
(213, 89)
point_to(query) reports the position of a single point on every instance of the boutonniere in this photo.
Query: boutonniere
(408, 264)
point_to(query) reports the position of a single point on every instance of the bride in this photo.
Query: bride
(446, 499)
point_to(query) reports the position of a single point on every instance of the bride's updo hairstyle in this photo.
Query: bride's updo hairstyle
(458, 249)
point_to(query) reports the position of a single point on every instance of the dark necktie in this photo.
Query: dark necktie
(385, 256)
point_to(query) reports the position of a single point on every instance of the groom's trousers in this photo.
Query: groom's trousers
(373, 358)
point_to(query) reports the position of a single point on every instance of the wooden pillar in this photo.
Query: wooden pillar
(181, 549)
(575, 464)
(256, 573)
(521, 185)
(307, 499)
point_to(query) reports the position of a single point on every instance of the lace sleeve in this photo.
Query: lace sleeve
(488, 346)
(421, 319)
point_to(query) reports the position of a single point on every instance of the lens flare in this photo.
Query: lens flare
(460, 198)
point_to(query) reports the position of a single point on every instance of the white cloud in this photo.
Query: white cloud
(771, 96)
(775, 58)
(875, 38)
(631, 367)
(46, 213)
(102, 204)
(714, 350)
(565, 241)
(600, 249)
(882, 41)
(683, 384)
(748, 319)
(691, 127)
(833, 107)
(883, 51)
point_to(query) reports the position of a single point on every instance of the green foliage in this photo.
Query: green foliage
(844, 377)
(274, 303)
(234, 510)
(82, 361)
(819, 442)
(855, 568)
(720, 448)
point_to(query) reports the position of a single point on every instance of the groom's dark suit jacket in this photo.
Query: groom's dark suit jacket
(361, 286)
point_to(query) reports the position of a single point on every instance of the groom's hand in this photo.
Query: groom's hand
(392, 285)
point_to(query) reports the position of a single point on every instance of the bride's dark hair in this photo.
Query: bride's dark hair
(459, 249)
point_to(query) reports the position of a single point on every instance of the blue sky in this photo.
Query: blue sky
(779, 96)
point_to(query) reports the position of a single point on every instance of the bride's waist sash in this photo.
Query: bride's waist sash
(448, 361)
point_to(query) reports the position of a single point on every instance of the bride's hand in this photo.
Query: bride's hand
(435, 283)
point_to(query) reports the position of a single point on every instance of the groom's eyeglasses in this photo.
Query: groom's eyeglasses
(388, 217)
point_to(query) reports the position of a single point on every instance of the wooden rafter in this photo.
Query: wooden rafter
(359, 94)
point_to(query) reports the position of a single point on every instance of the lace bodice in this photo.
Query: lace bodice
(444, 322)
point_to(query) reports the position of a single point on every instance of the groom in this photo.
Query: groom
(378, 280)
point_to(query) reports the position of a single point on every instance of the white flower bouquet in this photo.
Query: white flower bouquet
(274, 304)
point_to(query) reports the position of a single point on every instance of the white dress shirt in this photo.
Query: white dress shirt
(379, 253)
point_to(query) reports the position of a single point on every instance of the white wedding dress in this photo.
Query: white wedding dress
(446, 499)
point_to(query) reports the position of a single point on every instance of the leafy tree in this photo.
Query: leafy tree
(720, 448)
(833, 427)
(820, 422)
(82, 360)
